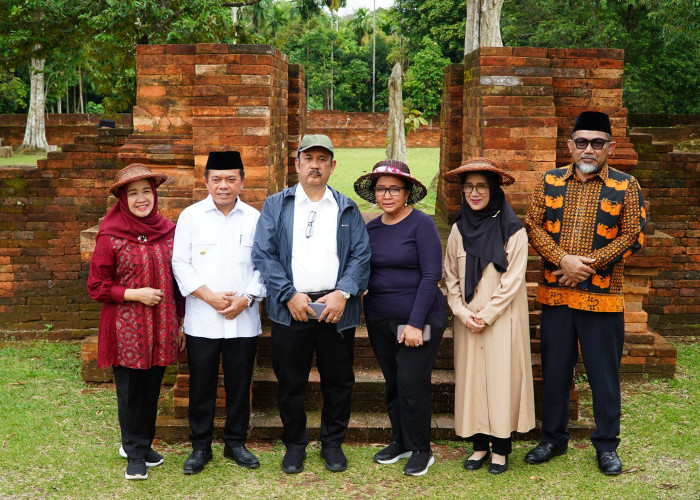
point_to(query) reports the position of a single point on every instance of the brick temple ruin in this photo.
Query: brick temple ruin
(515, 105)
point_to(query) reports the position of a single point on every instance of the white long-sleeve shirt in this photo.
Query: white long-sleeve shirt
(214, 250)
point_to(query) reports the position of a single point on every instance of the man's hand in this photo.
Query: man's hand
(182, 340)
(299, 307)
(216, 300)
(475, 323)
(236, 307)
(335, 305)
(574, 270)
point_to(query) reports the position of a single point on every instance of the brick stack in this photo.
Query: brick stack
(296, 117)
(590, 80)
(670, 181)
(448, 196)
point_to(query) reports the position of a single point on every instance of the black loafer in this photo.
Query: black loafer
(196, 461)
(293, 461)
(476, 464)
(335, 459)
(609, 463)
(498, 468)
(241, 456)
(544, 452)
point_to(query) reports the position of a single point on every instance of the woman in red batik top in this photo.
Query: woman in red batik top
(131, 274)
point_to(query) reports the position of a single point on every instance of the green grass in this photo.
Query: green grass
(352, 163)
(59, 438)
(22, 159)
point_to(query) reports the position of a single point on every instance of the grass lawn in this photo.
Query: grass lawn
(22, 159)
(59, 438)
(352, 163)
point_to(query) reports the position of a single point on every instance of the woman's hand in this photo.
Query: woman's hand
(412, 336)
(475, 323)
(148, 296)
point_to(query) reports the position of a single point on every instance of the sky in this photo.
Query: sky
(353, 5)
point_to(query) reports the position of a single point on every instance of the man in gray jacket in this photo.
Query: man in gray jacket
(311, 246)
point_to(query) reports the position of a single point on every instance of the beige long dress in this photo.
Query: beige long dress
(493, 369)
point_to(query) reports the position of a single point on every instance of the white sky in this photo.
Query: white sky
(353, 5)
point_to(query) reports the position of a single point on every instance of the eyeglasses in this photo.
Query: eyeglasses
(310, 224)
(480, 188)
(381, 191)
(595, 143)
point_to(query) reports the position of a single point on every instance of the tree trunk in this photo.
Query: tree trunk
(396, 135)
(483, 24)
(35, 132)
(80, 90)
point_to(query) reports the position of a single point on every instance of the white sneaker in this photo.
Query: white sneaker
(153, 458)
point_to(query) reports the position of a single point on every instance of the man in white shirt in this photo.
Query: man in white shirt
(311, 245)
(213, 268)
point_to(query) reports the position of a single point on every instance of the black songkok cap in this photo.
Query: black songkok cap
(224, 160)
(592, 120)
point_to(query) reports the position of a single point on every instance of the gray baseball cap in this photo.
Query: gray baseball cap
(315, 140)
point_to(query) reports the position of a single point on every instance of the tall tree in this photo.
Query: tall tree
(483, 24)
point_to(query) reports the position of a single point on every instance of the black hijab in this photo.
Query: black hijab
(485, 233)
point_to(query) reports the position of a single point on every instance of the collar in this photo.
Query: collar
(301, 196)
(602, 173)
(209, 205)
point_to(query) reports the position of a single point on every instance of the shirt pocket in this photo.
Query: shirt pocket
(203, 252)
(246, 249)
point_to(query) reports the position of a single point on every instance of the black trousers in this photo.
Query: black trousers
(407, 373)
(137, 407)
(237, 359)
(500, 446)
(292, 351)
(600, 335)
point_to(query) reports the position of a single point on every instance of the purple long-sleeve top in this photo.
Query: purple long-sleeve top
(405, 269)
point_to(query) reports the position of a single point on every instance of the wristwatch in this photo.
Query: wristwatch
(251, 299)
(346, 295)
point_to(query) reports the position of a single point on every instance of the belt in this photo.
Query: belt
(314, 296)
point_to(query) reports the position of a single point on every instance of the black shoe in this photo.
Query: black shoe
(335, 459)
(241, 456)
(544, 452)
(476, 464)
(391, 454)
(293, 461)
(419, 463)
(196, 461)
(153, 458)
(498, 468)
(136, 469)
(609, 463)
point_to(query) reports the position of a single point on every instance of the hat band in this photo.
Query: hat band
(391, 170)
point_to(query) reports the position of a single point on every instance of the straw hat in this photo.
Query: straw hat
(364, 186)
(135, 172)
(478, 165)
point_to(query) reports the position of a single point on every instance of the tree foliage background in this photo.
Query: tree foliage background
(93, 44)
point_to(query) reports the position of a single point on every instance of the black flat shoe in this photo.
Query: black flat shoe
(609, 463)
(476, 464)
(293, 461)
(335, 459)
(241, 456)
(196, 461)
(498, 468)
(544, 452)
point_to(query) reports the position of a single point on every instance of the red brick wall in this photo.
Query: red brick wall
(448, 196)
(60, 128)
(296, 116)
(365, 130)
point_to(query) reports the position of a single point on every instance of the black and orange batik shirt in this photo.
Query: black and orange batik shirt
(602, 218)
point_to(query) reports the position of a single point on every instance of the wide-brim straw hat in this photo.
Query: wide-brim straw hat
(478, 165)
(135, 172)
(364, 185)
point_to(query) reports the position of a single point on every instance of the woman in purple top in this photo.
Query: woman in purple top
(406, 266)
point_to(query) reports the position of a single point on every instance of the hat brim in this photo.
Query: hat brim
(363, 186)
(157, 177)
(455, 175)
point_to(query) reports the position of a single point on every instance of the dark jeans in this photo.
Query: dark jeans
(600, 335)
(292, 351)
(237, 359)
(500, 446)
(137, 406)
(407, 372)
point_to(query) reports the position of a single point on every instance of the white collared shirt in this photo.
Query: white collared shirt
(214, 250)
(315, 261)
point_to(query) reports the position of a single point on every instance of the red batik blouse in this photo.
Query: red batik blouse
(133, 334)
